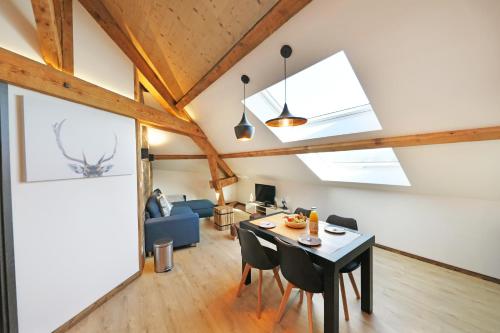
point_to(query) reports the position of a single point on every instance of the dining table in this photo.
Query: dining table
(334, 252)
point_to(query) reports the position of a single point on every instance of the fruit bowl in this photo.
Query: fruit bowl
(296, 221)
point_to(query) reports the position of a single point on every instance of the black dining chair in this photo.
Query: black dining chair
(259, 257)
(305, 212)
(300, 272)
(349, 223)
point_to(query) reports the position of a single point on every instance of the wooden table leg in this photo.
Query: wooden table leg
(249, 276)
(331, 295)
(367, 280)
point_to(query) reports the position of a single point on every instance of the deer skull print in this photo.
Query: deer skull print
(81, 166)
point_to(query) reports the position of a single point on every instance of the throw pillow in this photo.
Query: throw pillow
(166, 207)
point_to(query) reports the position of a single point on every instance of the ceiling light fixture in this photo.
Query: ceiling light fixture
(286, 119)
(244, 130)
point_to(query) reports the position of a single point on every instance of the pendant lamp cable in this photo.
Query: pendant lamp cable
(244, 97)
(284, 61)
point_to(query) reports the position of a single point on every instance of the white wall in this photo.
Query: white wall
(97, 58)
(193, 184)
(458, 231)
(18, 29)
(75, 240)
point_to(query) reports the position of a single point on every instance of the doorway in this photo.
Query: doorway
(8, 306)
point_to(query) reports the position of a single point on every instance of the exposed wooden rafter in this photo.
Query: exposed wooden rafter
(223, 182)
(67, 35)
(48, 30)
(466, 135)
(147, 76)
(100, 13)
(212, 164)
(269, 23)
(26, 73)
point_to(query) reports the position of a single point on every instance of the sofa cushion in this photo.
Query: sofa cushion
(200, 204)
(180, 204)
(205, 212)
(166, 207)
(180, 209)
(153, 207)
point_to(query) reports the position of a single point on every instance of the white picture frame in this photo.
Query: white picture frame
(66, 140)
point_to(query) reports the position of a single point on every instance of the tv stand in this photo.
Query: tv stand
(262, 208)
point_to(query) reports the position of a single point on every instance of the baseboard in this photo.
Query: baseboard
(89, 309)
(440, 264)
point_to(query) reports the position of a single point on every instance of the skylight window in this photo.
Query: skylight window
(327, 93)
(372, 166)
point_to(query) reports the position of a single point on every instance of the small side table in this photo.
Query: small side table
(223, 217)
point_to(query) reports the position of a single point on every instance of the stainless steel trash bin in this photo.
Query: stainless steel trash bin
(163, 254)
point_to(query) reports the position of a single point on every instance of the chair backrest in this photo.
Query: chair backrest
(252, 251)
(297, 267)
(345, 222)
(305, 212)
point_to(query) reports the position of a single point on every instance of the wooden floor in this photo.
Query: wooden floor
(199, 295)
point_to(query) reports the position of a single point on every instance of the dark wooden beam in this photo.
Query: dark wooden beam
(26, 73)
(466, 135)
(48, 31)
(269, 23)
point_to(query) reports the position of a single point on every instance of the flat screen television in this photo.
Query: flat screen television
(265, 193)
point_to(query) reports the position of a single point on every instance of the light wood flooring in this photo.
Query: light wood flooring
(199, 295)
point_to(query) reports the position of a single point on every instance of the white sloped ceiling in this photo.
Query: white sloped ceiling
(424, 65)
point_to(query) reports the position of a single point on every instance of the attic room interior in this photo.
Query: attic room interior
(249, 166)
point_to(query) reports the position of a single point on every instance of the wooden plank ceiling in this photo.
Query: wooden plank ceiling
(183, 39)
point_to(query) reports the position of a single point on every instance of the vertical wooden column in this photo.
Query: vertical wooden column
(212, 164)
(141, 204)
(143, 173)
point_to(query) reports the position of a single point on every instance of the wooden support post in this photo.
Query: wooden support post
(212, 164)
(48, 31)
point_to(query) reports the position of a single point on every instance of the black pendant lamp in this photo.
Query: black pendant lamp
(286, 119)
(244, 130)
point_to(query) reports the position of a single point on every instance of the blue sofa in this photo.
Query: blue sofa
(182, 225)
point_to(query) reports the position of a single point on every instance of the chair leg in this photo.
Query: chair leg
(284, 300)
(259, 295)
(309, 311)
(301, 296)
(344, 300)
(278, 279)
(246, 271)
(354, 286)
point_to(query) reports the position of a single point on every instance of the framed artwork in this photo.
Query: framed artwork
(65, 140)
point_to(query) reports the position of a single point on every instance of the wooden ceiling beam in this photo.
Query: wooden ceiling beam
(164, 102)
(455, 136)
(269, 23)
(67, 35)
(207, 147)
(212, 165)
(48, 31)
(147, 76)
(223, 182)
(103, 17)
(23, 72)
(179, 157)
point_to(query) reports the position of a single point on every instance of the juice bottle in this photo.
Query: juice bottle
(313, 222)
